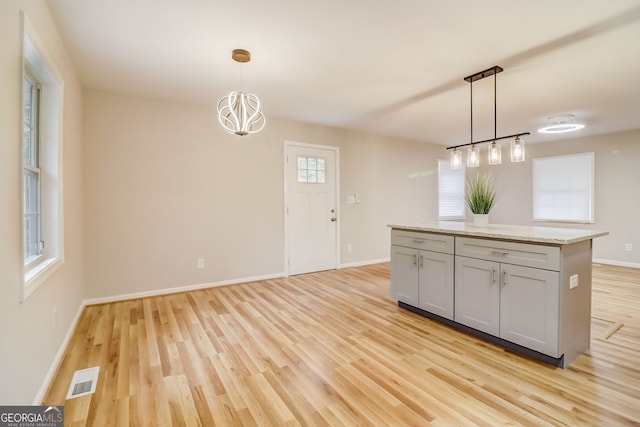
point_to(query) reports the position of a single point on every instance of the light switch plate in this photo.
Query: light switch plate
(573, 281)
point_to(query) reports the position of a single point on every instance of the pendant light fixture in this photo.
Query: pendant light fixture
(456, 159)
(495, 150)
(517, 150)
(240, 112)
(473, 157)
(495, 154)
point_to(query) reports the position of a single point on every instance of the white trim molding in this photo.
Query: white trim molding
(617, 263)
(167, 291)
(363, 263)
(58, 357)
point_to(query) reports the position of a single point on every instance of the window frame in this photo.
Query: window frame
(37, 65)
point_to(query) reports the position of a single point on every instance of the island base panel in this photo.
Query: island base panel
(507, 345)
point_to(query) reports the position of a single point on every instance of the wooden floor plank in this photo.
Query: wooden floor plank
(332, 348)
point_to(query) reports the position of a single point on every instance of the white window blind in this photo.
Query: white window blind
(450, 191)
(563, 188)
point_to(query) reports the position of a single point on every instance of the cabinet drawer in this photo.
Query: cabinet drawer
(528, 255)
(420, 240)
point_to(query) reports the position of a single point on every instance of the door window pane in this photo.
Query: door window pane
(312, 170)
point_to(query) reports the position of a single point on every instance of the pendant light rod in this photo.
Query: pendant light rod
(495, 108)
(489, 140)
(471, 89)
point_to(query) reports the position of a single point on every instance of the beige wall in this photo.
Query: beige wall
(617, 196)
(165, 185)
(28, 341)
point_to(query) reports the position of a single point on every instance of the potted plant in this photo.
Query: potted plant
(480, 197)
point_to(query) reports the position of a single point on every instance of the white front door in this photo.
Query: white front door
(311, 211)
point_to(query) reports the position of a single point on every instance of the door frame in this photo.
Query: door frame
(336, 150)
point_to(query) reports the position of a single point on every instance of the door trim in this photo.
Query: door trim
(287, 144)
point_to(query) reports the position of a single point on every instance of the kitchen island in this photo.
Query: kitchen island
(525, 288)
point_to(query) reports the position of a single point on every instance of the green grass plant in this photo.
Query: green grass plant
(480, 195)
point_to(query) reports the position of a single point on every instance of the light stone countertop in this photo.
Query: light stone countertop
(521, 233)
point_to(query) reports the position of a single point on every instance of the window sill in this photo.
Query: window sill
(35, 275)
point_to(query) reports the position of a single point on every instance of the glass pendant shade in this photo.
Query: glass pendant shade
(456, 159)
(517, 150)
(473, 157)
(495, 154)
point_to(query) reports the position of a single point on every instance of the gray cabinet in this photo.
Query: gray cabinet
(529, 308)
(422, 271)
(477, 294)
(404, 274)
(516, 303)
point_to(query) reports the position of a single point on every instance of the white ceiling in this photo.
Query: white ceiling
(392, 67)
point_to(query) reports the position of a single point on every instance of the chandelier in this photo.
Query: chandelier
(495, 150)
(240, 112)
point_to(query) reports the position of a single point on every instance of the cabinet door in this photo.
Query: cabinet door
(436, 283)
(529, 308)
(477, 294)
(404, 274)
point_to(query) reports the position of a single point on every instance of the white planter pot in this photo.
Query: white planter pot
(481, 220)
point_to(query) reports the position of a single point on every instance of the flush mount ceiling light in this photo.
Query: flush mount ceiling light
(562, 124)
(240, 112)
(495, 150)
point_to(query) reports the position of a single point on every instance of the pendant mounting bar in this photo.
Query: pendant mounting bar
(489, 140)
(482, 74)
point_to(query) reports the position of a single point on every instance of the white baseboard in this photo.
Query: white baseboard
(362, 263)
(59, 355)
(618, 263)
(167, 291)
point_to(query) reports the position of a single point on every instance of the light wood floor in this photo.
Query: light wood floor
(333, 349)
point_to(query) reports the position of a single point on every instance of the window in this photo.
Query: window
(31, 166)
(41, 163)
(311, 170)
(450, 191)
(563, 188)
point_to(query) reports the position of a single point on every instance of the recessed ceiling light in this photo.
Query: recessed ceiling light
(561, 124)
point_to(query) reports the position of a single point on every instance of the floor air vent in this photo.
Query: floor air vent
(83, 382)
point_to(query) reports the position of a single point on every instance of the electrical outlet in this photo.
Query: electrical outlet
(573, 281)
(628, 247)
(200, 263)
(349, 248)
